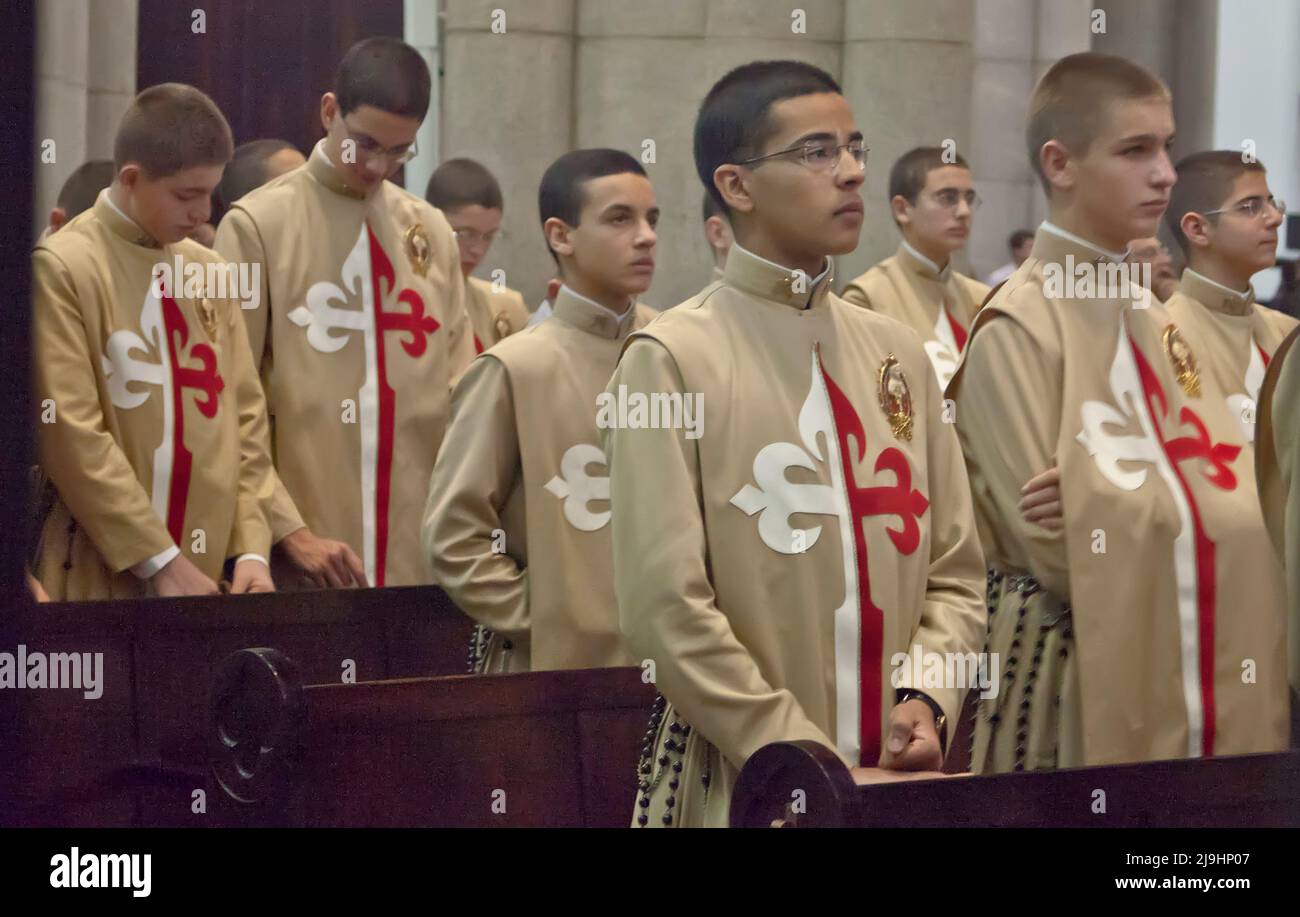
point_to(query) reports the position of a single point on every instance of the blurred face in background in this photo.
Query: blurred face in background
(939, 222)
(1164, 279)
(476, 228)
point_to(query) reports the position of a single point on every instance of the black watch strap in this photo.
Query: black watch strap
(940, 718)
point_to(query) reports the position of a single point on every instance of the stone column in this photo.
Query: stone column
(1193, 78)
(643, 70)
(420, 28)
(85, 79)
(907, 72)
(1005, 40)
(1144, 31)
(507, 101)
(1063, 29)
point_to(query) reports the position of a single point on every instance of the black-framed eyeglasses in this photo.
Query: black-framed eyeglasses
(366, 145)
(1252, 207)
(819, 155)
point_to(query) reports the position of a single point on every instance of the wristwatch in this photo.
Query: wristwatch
(940, 718)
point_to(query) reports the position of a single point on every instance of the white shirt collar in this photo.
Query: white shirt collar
(811, 284)
(618, 317)
(1242, 295)
(108, 199)
(924, 260)
(319, 150)
(1079, 240)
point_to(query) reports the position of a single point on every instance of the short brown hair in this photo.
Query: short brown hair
(246, 170)
(1070, 101)
(83, 186)
(172, 127)
(908, 174)
(1205, 180)
(463, 183)
(385, 73)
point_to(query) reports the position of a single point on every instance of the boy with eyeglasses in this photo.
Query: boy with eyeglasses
(772, 570)
(1277, 468)
(933, 203)
(469, 196)
(1226, 221)
(360, 330)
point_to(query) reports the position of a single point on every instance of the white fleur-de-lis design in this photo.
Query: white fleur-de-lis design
(321, 317)
(1109, 449)
(578, 489)
(1243, 406)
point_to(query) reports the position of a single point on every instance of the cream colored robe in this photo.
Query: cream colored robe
(152, 425)
(937, 305)
(772, 567)
(494, 315)
(359, 334)
(517, 523)
(1125, 637)
(1233, 337)
(1277, 457)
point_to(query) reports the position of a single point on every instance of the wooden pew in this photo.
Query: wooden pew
(135, 755)
(537, 749)
(1245, 791)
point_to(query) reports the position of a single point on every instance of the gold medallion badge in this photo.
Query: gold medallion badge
(896, 398)
(1184, 363)
(419, 251)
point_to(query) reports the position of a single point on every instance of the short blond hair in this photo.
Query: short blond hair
(1069, 103)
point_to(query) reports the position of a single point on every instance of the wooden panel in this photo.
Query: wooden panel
(69, 761)
(614, 739)
(551, 748)
(18, 111)
(1243, 791)
(265, 63)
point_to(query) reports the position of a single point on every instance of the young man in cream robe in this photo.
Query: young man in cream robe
(470, 197)
(360, 330)
(517, 525)
(933, 202)
(771, 572)
(1226, 221)
(1135, 604)
(1277, 466)
(152, 427)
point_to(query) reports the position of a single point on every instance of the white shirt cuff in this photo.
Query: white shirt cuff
(256, 557)
(147, 568)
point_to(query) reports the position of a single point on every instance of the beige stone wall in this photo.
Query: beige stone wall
(626, 73)
(507, 101)
(623, 73)
(1175, 39)
(643, 70)
(85, 80)
(1015, 42)
(907, 73)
